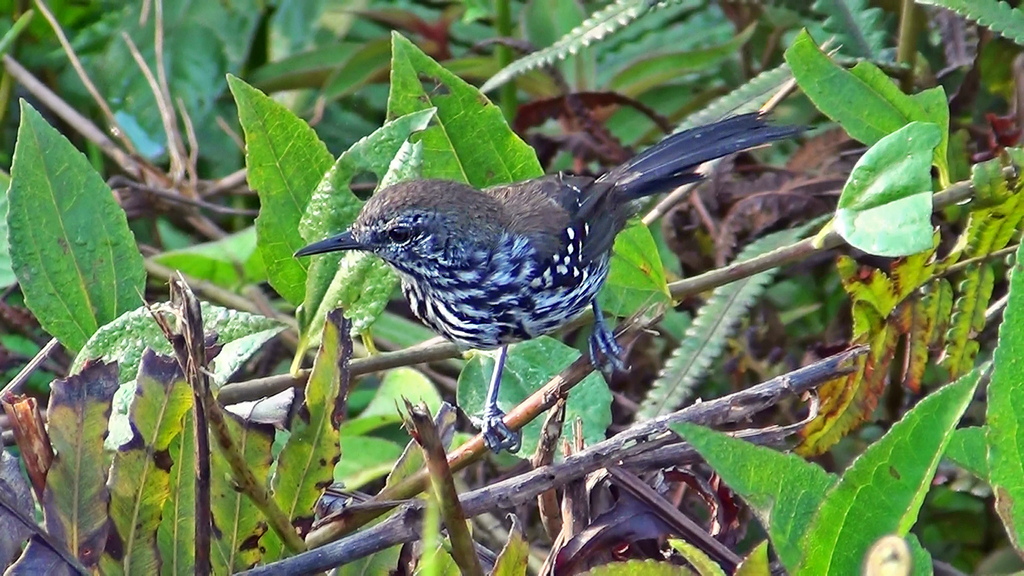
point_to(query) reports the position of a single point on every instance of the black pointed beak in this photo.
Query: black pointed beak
(343, 241)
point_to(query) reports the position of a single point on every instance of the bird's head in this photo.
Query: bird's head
(421, 225)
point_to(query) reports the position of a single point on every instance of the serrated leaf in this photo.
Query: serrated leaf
(706, 336)
(995, 15)
(470, 141)
(747, 98)
(886, 204)
(140, 475)
(1004, 433)
(240, 524)
(176, 536)
(124, 340)
(925, 326)
(229, 262)
(70, 246)
(857, 27)
(967, 318)
(783, 490)
(636, 276)
(882, 491)
(530, 365)
(848, 401)
(284, 160)
(356, 281)
(305, 465)
(596, 27)
(76, 495)
(968, 449)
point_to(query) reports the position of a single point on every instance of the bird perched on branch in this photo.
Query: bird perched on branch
(488, 268)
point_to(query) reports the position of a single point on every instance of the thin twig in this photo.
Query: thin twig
(29, 368)
(164, 107)
(129, 163)
(793, 253)
(80, 70)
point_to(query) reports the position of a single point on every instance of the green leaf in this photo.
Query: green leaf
(366, 459)
(358, 282)
(306, 463)
(638, 568)
(995, 15)
(882, 491)
(886, 205)
(411, 460)
(124, 340)
(176, 536)
(308, 69)
(543, 23)
(76, 495)
(470, 141)
(599, 25)
(529, 366)
(140, 476)
(755, 563)
(285, 161)
(783, 490)
(240, 524)
(7, 276)
(706, 336)
(71, 249)
(230, 262)
(858, 28)
(636, 276)
(968, 450)
(696, 557)
(654, 71)
(202, 41)
(865, 101)
(1004, 432)
(382, 562)
(383, 409)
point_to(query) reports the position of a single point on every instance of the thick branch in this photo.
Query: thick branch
(404, 525)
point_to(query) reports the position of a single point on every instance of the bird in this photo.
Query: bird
(493, 267)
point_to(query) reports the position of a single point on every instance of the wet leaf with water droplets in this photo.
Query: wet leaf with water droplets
(70, 245)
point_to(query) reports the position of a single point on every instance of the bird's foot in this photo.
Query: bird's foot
(498, 436)
(605, 353)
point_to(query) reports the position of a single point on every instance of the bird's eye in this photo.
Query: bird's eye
(400, 234)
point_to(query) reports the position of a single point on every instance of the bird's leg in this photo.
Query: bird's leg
(497, 436)
(605, 352)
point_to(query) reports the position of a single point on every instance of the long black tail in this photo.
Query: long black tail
(674, 161)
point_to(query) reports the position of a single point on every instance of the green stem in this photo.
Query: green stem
(906, 49)
(503, 26)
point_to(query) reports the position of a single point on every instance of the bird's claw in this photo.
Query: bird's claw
(498, 436)
(605, 353)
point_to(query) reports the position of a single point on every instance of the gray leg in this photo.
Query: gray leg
(497, 436)
(605, 352)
